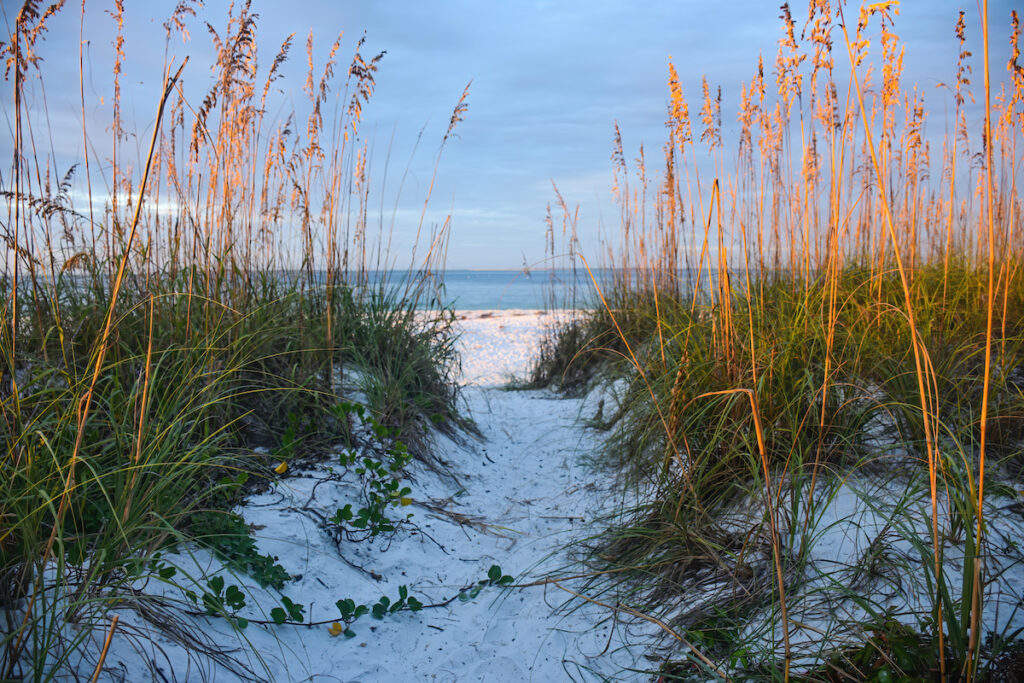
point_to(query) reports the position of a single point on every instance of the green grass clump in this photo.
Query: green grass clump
(713, 476)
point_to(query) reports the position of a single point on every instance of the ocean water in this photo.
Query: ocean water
(516, 289)
(507, 289)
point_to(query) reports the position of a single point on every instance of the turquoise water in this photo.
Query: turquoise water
(515, 289)
(505, 289)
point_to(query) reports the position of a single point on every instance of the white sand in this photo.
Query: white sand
(524, 491)
(499, 344)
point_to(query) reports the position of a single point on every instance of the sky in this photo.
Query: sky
(549, 81)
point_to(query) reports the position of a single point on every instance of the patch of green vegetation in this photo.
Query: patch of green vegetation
(229, 537)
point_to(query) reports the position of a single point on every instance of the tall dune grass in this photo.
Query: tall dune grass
(161, 355)
(838, 305)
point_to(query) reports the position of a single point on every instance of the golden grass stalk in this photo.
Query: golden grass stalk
(106, 648)
(976, 606)
(920, 353)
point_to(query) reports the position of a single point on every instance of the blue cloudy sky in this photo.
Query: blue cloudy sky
(549, 79)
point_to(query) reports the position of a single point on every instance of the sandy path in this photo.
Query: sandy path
(526, 494)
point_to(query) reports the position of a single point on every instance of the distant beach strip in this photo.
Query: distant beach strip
(498, 344)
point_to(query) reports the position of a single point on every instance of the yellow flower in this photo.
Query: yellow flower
(282, 468)
(335, 629)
